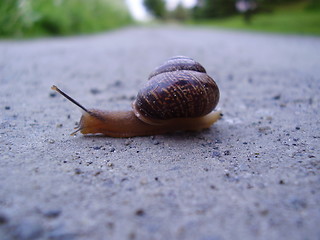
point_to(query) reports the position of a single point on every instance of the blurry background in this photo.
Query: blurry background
(30, 18)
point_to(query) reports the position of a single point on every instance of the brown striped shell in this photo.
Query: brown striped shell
(180, 88)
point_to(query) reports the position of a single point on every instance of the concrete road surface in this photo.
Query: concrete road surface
(253, 175)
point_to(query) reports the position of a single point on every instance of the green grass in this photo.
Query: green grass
(291, 19)
(31, 18)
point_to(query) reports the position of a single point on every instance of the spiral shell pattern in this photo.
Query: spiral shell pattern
(180, 88)
(176, 64)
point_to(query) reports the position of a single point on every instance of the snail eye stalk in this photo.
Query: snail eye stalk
(55, 88)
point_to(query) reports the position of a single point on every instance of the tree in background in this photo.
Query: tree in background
(246, 8)
(25, 18)
(156, 7)
(314, 4)
(180, 13)
(207, 9)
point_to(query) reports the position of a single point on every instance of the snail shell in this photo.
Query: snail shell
(180, 88)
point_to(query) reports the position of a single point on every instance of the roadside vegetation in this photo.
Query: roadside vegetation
(281, 16)
(30, 18)
(294, 18)
(33, 18)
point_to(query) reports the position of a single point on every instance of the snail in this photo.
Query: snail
(178, 96)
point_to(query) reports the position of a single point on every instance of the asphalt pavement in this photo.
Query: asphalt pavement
(253, 175)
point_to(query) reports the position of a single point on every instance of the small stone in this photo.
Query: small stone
(97, 147)
(124, 179)
(128, 142)
(264, 212)
(95, 91)
(277, 97)
(227, 152)
(52, 213)
(281, 182)
(283, 105)
(155, 142)
(249, 186)
(51, 141)
(140, 212)
(269, 118)
(117, 83)
(264, 129)
(112, 149)
(53, 94)
(77, 171)
(3, 219)
(143, 182)
(7, 107)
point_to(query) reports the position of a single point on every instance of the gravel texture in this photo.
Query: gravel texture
(253, 175)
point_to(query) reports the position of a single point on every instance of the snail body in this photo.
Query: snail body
(126, 124)
(178, 96)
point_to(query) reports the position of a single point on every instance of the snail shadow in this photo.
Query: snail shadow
(210, 133)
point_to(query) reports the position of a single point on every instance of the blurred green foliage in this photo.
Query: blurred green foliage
(180, 13)
(297, 17)
(314, 5)
(214, 9)
(27, 18)
(156, 7)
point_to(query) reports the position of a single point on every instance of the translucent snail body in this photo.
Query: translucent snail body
(179, 96)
